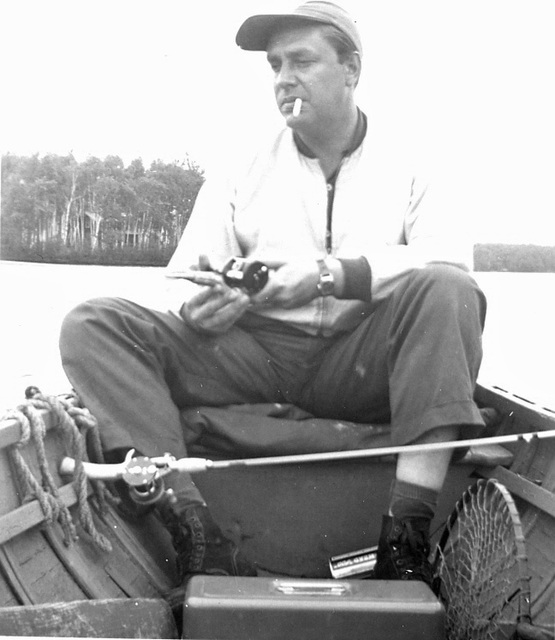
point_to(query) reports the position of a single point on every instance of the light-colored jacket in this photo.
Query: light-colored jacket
(276, 208)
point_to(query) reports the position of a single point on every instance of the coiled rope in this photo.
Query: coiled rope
(77, 428)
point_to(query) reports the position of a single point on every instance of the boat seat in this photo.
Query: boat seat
(487, 455)
(110, 618)
(260, 430)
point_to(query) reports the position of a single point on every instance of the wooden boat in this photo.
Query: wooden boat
(289, 519)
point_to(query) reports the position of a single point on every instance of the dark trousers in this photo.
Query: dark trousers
(412, 362)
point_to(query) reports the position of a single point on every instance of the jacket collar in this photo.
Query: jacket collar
(360, 133)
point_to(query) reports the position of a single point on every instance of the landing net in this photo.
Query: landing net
(481, 566)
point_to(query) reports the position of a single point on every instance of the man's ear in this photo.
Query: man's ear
(353, 67)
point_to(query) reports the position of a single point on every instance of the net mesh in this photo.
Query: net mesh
(481, 566)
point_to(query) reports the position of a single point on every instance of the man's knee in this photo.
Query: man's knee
(445, 275)
(443, 293)
(450, 284)
(80, 324)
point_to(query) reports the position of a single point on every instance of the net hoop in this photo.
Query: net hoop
(481, 567)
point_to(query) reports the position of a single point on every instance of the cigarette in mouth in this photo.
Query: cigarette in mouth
(297, 108)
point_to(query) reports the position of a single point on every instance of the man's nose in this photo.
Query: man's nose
(286, 75)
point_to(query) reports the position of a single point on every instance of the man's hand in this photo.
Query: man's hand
(215, 308)
(294, 283)
(291, 284)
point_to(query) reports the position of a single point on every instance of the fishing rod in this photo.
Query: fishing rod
(141, 470)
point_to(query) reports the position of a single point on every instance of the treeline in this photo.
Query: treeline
(514, 257)
(55, 209)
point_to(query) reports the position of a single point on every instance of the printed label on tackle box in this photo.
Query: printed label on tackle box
(355, 563)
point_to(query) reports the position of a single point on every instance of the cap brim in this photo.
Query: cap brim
(255, 33)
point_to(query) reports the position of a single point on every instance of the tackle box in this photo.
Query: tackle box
(266, 608)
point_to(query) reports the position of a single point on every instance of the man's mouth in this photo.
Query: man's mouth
(294, 105)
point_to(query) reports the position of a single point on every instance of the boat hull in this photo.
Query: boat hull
(289, 520)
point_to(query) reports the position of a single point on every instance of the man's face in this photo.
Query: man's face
(306, 66)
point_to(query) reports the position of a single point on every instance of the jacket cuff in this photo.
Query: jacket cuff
(358, 279)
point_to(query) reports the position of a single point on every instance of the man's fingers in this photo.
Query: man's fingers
(225, 317)
(211, 292)
(218, 312)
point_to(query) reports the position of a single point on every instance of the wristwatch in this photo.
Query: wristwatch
(326, 282)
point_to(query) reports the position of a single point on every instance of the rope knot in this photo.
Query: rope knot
(67, 419)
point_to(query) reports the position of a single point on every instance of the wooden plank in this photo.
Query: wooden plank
(123, 566)
(84, 562)
(540, 549)
(149, 545)
(523, 488)
(29, 515)
(36, 573)
(7, 596)
(114, 618)
(10, 431)
(10, 497)
(525, 414)
(11, 580)
(541, 468)
(123, 572)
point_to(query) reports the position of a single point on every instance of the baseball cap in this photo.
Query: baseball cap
(255, 33)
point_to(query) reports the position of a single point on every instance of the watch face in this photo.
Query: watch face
(325, 285)
(326, 282)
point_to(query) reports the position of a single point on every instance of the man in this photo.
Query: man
(369, 313)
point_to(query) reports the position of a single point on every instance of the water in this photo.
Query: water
(35, 299)
(519, 341)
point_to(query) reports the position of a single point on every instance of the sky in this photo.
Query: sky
(466, 85)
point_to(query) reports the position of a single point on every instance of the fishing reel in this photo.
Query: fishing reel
(249, 276)
(142, 476)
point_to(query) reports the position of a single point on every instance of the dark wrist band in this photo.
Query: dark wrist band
(358, 279)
